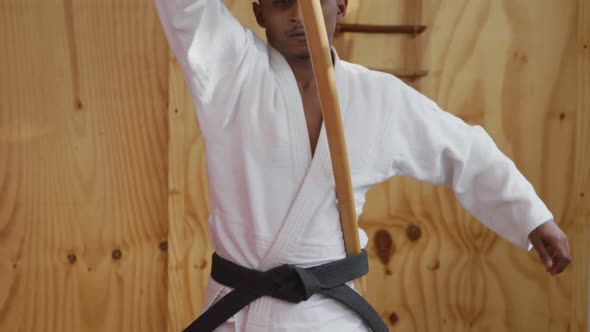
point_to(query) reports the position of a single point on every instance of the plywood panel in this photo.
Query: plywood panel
(103, 192)
(491, 64)
(399, 53)
(375, 50)
(82, 166)
(582, 206)
(189, 250)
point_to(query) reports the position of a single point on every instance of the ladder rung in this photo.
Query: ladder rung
(371, 28)
(404, 74)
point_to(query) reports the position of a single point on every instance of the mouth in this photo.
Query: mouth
(298, 35)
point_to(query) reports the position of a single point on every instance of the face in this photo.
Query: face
(283, 23)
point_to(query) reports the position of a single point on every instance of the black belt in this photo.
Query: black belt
(288, 283)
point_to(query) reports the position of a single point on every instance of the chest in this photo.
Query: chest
(313, 116)
(280, 129)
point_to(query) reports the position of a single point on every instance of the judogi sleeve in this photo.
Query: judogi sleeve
(209, 43)
(431, 145)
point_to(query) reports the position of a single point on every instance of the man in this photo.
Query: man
(272, 199)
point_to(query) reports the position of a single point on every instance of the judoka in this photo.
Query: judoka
(272, 199)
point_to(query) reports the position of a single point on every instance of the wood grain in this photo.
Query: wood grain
(189, 255)
(82, 166)
(491, 64)
(103, 191)
(581, 231)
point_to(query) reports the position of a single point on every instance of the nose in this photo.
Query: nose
(296, 16)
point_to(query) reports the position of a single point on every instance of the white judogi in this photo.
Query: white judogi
(271, 203)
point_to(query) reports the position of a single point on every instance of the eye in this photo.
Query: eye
(282, 3)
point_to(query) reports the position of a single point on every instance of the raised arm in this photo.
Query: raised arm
(434, 146)
(207, 40)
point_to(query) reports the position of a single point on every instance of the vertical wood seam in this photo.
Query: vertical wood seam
(583, 93)
(175, 182)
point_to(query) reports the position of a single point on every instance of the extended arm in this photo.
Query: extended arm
(436, 147)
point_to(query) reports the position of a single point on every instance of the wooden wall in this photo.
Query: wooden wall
(83, 166)
(103, 203)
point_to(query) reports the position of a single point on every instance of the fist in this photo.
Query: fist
(552, 246)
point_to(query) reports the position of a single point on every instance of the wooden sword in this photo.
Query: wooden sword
(318, 44)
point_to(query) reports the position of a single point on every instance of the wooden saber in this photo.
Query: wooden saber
(321, 59)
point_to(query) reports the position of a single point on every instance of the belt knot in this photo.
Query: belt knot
(293, 284)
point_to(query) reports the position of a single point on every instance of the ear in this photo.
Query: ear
(342, 5)
(257, 9)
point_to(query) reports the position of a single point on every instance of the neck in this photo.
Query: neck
(303, 71)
